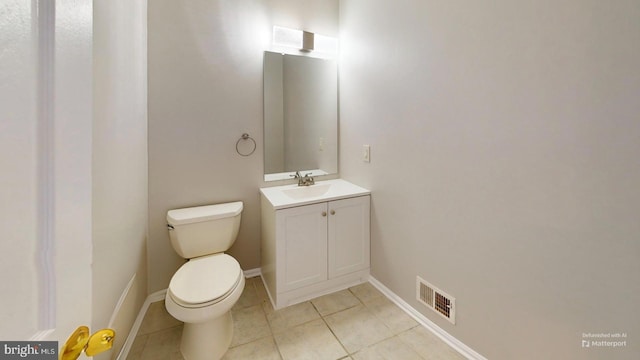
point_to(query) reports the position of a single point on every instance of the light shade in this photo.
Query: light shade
(287, 37)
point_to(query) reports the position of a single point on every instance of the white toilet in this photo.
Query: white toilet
(202, 292)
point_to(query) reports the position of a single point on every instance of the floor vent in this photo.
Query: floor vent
(436, 300)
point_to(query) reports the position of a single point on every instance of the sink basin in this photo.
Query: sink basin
(286, 196)
(306, 192)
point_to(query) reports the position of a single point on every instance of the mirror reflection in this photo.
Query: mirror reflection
(300, 115)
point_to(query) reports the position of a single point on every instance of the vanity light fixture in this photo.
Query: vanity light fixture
(307, 41)
(287, 37)
(304, 41)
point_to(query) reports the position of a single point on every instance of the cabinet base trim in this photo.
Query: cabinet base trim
(306, 293)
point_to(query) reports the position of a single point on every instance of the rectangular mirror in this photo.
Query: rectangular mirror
(300, 115)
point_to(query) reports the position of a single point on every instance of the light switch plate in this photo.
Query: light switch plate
(366, 153)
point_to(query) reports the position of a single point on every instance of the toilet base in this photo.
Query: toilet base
(207, 340)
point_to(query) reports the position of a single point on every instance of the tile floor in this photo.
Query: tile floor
(358, 323)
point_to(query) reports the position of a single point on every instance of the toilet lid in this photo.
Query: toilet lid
(205, 279)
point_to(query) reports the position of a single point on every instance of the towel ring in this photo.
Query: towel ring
(245, 136)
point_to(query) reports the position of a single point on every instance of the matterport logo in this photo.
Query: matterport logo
(31, 350)
(604, 340)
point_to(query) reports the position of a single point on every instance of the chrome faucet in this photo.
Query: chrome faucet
(305, 180)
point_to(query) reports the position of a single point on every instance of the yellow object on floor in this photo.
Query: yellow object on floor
(75, 344)
(100, 341)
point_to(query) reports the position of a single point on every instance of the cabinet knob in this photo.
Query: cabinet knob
(333, 212)
(324, 213)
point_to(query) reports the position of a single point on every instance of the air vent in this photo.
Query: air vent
(436, 300)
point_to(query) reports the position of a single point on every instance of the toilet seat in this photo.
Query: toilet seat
(204, 281)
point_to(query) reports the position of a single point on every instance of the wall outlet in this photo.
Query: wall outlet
(366, 153)
(321, 144)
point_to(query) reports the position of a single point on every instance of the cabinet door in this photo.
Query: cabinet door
(348, 235)
(301, 246)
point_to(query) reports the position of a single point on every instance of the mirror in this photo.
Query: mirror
(300, 116)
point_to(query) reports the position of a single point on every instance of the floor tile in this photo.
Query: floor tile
(249, 324)
(157, 318)
(263, 349)
(163, 345)
(357, 328)
(249, 296)
(290, 316)
(310, 341)
(391, 315)
(261, 291)
(428, 345)
(359, 321)
(335, 302)
(365, 292)
(390, 349)
(137, 348)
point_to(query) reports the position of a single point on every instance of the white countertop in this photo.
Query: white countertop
(326, 191)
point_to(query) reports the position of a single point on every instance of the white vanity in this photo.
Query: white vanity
(315, 239)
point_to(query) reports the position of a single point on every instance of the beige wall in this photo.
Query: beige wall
(205, 90)
(119, 164)
(505, 139)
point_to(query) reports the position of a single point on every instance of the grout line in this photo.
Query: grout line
(364, 306)
(266, 318)
(376, 314)
(260, 305)
(333, 333)
(394, 335)
(273, 335)
(144, 346)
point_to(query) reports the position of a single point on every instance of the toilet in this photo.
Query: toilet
(203, 290)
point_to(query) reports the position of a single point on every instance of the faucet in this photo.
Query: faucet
(305, 180)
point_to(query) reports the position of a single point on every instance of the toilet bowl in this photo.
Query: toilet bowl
(203, 290)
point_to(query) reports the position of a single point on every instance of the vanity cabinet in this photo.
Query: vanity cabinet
(301, 249)
(348, 238)
(314, 249)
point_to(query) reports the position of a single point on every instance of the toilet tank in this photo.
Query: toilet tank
(204, 230)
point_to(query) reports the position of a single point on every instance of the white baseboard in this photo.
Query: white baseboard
(456, 344)
(156, 296)
(252, 273)
(123, 315)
